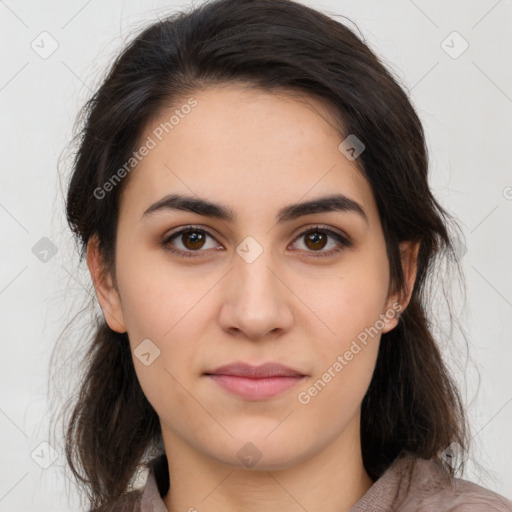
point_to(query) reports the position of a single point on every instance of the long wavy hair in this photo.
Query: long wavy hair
(412, 404)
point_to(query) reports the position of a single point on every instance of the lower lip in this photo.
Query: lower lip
(255, 389)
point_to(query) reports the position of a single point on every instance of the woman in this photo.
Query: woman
(251, 194)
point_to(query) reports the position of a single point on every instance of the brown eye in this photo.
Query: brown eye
(193, 239)
(316, 240)
(188, 241)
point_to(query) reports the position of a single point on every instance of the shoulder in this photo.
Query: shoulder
(129, 502)
(428, 486)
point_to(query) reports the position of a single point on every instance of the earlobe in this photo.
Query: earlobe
(391, 316)
(398, 302)
(106, 292)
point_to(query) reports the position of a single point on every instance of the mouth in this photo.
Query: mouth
(255, 382)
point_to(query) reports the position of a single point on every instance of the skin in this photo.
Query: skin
(254, 152)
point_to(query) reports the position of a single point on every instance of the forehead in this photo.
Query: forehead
(245, 148)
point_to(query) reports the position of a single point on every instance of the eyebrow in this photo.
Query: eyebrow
(338, 203)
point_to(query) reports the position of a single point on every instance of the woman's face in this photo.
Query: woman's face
(266, 285)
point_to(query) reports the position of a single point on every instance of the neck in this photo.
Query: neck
(332, 480)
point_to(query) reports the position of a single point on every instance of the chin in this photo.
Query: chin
(261, 453)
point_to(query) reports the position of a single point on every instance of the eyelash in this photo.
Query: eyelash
(165, 243)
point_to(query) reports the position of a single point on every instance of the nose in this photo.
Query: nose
(256, 301)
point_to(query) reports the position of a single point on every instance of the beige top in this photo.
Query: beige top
(410, 484)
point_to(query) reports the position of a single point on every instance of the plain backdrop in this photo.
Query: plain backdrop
(455, 60)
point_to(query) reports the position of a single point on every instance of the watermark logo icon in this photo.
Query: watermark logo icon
(44, 250)
(454, 45)
(351, 147)
(44, 455)
(146, 352)
(44, 45)
(249, 455)
(453, 455)
(249, 249)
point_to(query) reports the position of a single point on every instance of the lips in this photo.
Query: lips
(255, 382)
(256, 372)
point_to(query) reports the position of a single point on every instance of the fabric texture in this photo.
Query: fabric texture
(410, 484)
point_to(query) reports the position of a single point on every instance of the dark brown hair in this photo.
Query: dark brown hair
(272, 45)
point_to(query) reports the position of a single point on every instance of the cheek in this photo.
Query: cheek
(345, 358)
(351, 298)
(161, 305)
(351, 306)
(154, 311)
(154, 296)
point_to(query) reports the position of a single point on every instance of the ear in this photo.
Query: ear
(399, 301)
(106, 292)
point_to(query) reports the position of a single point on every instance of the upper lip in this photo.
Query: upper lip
(271, 369)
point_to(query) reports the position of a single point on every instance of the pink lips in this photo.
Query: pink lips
(255, 382)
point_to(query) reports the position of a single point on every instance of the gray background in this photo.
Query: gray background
(464, 101)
